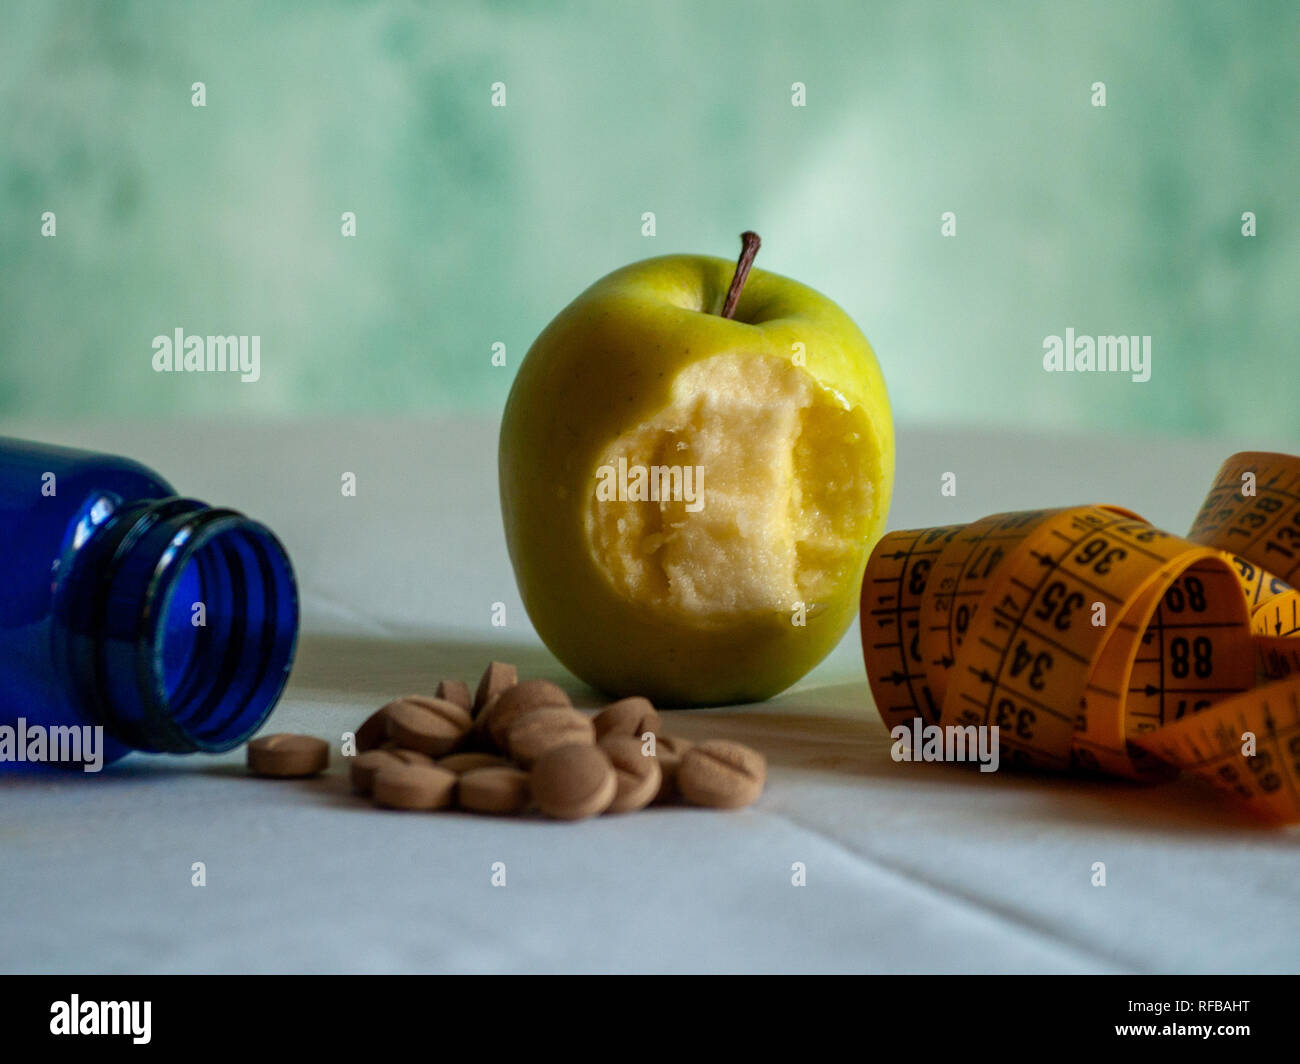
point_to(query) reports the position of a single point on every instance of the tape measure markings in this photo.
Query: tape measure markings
(906, 599)
(1207, 746)
(992, 628)
(1032, 739)
(1273, 512)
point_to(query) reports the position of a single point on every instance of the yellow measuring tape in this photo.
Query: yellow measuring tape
(1095, 642)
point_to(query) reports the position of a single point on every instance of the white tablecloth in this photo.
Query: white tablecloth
(909, 868)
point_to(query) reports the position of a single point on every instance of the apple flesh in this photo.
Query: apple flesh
(779, 417)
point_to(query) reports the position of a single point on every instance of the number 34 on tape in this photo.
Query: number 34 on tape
(1095, 642)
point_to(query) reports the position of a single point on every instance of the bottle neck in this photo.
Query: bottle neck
(177, 623)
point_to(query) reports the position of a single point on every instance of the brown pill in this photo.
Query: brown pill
(496, 789)
(456, 691)
(365, 766)
(639, 775)
(479, 739)
(372, 732)
(496, 678)
(628, 716)
(286, 756)
(539, 730)
(470, 760)
(414, 787)
(495, 720)
(668, 752)
(432, 726)
(572, 782)
(721, 774)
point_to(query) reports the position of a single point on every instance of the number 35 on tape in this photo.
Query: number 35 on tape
(1095, 642)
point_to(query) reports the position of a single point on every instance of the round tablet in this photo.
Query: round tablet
(472, 759)
(286, 756)
(497, 677)
(573, 782)
(493, 790)
(638, 774)
(721, 774)
(432, 726)
(456, 691)
(366, 766)
(414, 787)
(371, 732)
(628, 716)
(669, 750)
(496, 719)
(539, 730)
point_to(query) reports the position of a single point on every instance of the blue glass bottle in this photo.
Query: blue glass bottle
(169, 623)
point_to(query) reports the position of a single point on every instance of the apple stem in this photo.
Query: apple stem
(749, 245)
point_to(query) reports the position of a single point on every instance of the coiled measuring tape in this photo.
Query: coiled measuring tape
(1096, 642)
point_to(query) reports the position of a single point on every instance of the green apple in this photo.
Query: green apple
(695, 462)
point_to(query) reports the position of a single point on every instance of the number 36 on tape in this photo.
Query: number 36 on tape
(1095, 642)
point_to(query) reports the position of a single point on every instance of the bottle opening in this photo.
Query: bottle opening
(226, 634)
(181, 624)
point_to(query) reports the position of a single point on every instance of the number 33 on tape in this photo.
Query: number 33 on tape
(1095, 642)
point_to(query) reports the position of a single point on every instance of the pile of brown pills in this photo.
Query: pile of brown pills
(513, 747)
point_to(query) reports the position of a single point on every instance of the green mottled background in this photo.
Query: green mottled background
(477, 224)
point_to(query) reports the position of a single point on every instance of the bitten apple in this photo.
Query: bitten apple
(695, 462)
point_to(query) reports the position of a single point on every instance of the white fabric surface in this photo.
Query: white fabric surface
(909, 868)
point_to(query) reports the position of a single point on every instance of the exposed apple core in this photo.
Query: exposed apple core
(786, 502)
